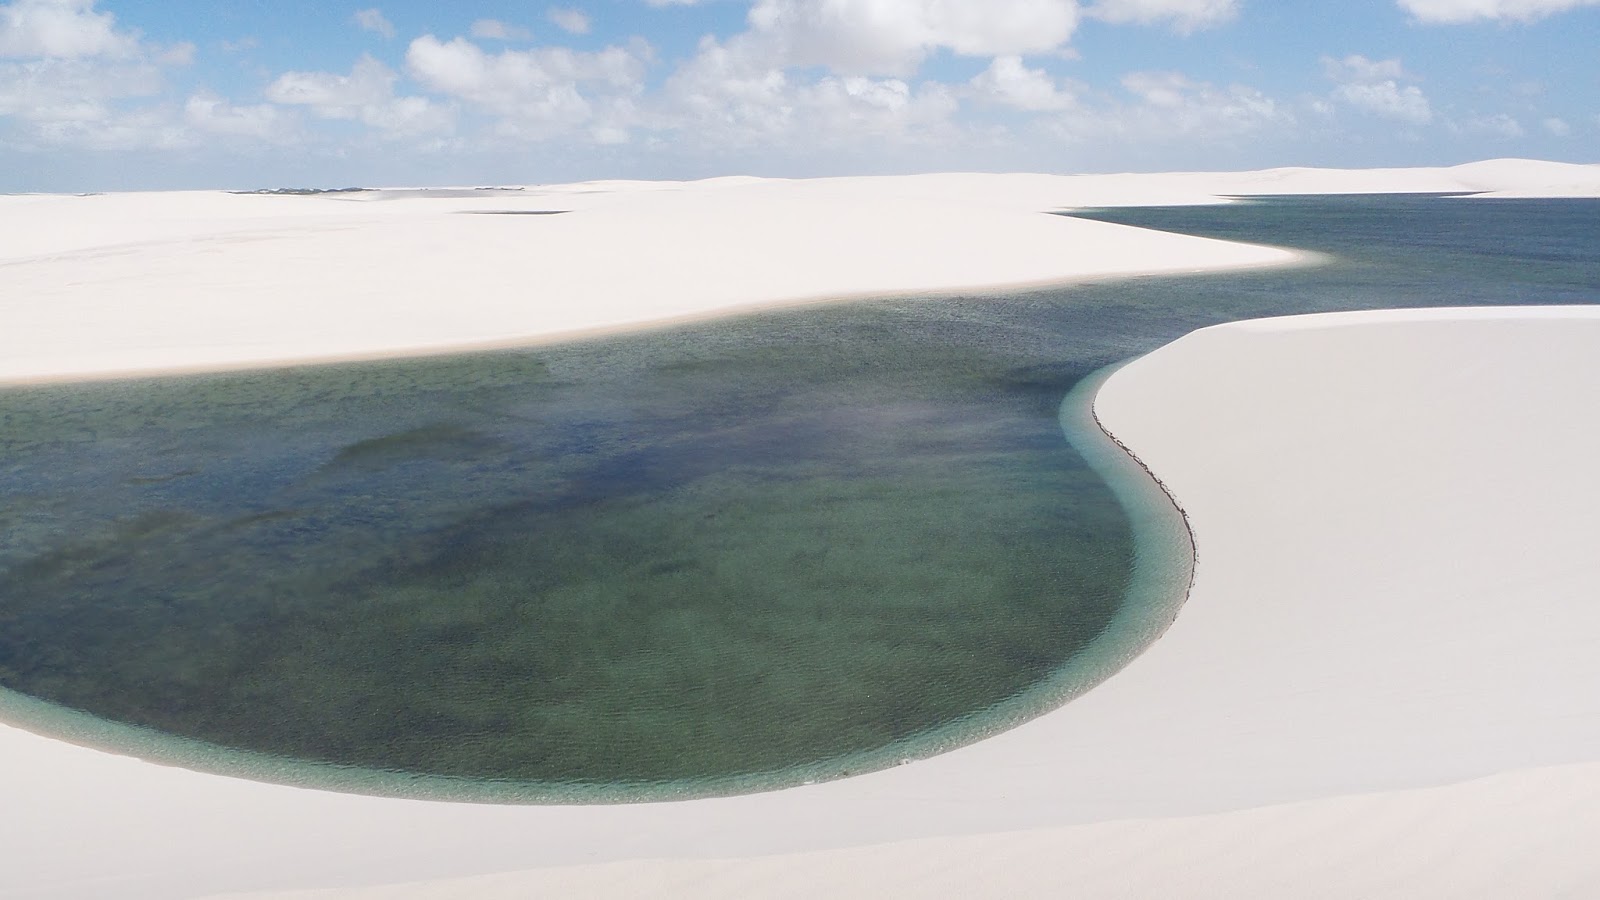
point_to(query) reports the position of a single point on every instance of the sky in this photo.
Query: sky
(155, 94)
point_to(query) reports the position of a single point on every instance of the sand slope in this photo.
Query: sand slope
(206, 280)
(1521, 834)
(118, 283)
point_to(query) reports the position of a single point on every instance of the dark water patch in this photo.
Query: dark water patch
(439, 441)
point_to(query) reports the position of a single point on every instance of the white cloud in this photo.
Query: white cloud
(1373, 87)
(373, 20)
(77, 67)
(80, 81)
(538, 92)
(176, 55)
(140, 129)
(333, 95)
(1498, 125)
(496, 30)
(61, 90)
(1162, 109)
(365, 95)
(731, 96)
(1184, 15)
(857, 107)
(1009, 83)
(891, 37)
(1173, 105)
(1387, 100)
(1557, 126)
(572, 21)
(728, 95)
(1454, 11)
(409, 116)
(211, 114)
(68, 29)
(1357, 68)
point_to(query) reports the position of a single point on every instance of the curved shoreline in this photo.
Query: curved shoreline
(1162, 560)
(1177, 505)
(233, 282)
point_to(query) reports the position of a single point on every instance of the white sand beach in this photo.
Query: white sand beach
(1382, 683)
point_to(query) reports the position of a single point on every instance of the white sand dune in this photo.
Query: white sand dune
(158, 282)
(128, 283)
(1382, 685)
(1520, 834)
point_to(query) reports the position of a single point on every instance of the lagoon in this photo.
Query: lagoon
(709, 558)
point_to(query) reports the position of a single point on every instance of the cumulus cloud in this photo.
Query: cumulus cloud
(1184, 15)
(365, 95)
(212, 114)
(59, 90)
(892, 37)
(65, 29)
(140, 129)
(69, 74)
(572, 21)
(333, 95)
(1557, 126)
(729, 96)
(496, 30)
(1454, 11)
(373, 20)
(1374, 87)
(1010, 83)
(856, 106)
(1388, 100)
(1498, 125)
(1357, 68)
(537, 92)
(1173, 105)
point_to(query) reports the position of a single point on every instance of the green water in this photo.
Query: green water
(714, 558)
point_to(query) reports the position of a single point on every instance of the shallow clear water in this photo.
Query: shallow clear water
(697, 560)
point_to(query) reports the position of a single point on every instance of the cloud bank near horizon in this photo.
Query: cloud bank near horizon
(681, 88)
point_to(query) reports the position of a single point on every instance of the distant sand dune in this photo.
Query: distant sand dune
(126, 283)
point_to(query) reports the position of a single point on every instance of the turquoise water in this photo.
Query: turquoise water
(708, 559)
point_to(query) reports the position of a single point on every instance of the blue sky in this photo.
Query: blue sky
(129, 94)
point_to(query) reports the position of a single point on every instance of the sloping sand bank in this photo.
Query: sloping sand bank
(1521, 834)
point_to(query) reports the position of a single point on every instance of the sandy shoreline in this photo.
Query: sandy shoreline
(1401, 705)
(247, 280)
(123, 284)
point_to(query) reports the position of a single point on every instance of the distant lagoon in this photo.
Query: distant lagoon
(705, 559)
